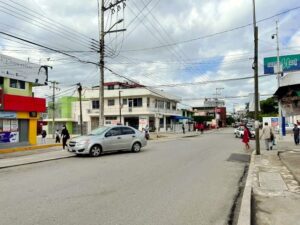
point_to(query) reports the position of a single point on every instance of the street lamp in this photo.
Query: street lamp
(281, 119)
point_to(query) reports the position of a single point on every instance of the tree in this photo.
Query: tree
(269, 106)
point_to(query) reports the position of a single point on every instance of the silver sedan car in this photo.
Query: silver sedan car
(108, 139)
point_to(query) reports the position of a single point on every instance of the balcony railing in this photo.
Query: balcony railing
(134, 110)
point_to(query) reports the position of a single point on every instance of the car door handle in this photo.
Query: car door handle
(118, 137)
(133, 136)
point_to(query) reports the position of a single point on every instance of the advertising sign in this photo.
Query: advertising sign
(6, 125)
(288, 63)
(9, 137)
(274, 122)
(21, 70)
(8, 115)
(14, 125)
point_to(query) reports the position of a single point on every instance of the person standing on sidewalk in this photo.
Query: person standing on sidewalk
(57, 136)
(296, 132)
(183, 129)
(246, 137)
(65, 136)
(44, 135)
(266, 134)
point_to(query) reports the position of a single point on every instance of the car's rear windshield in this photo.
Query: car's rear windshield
(99, 131)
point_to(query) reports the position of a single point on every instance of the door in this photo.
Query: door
(113, 139)
(128, 136)
(23, 130)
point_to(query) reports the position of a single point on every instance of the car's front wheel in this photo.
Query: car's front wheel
(136, 147)
(95, 151)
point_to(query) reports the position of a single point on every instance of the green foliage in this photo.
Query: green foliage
(230, 120)
(269, 106)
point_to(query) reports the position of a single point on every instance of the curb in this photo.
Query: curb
(27, 148)
(286, 165)
(244, 217)
(32, 160)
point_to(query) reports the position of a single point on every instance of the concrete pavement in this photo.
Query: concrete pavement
(184, 181)
(274, 184)
(35, 154)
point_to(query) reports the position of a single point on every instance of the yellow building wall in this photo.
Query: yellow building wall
(32, 124)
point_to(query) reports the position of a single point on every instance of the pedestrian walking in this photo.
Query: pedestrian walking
(57, 136)
(267, 134)
(246, 137)
(183, 129)
(201, 126)
(65, 136)
(44, 135)
(296, 132)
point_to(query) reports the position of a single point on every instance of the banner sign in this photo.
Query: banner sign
(288, 63)
(274, 122)
(21, 70)
(8, 115)
(9, 137)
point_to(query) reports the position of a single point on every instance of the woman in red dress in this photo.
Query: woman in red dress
(246, 137)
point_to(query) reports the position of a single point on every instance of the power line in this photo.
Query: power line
(213, 34)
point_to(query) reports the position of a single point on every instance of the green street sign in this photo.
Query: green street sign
(288, 63)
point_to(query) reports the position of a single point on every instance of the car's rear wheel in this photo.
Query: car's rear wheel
(136, 147)
(95, 151)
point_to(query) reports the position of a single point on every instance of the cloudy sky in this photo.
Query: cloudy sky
(165, 42)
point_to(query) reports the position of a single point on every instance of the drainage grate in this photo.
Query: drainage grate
(235, 157)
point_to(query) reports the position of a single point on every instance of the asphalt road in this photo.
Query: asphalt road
(186, 181)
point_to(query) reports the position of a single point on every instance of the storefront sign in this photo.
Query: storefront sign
(9, 137)
(14, 125)
(21, 70)
(8, 115)
(288, 63)
(6, 125)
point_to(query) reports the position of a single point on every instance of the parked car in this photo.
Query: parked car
(108, 139)
(239, 132)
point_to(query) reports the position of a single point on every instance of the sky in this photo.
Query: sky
(165, 42)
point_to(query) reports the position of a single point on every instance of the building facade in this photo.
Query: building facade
(19, 110)
(134, 106)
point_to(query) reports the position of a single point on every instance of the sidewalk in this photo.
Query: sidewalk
(275, 185)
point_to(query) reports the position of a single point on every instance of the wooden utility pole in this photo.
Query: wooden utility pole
(255, 68)
(102, 9)
(80, 106)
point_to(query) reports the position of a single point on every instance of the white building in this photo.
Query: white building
(139, 107)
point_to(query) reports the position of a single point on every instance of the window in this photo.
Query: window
(110, 102)
(110, 118)
(17, 84)
(114, 132)
(148, 102)
(168, 105)
(161, 104)
(124, 101)
(95, 104)
(137, 102)
(110, 87)
(127, 130)
(174, 106)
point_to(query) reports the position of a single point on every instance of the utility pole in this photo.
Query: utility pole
(255, 68)
(80, 106)
(216, 106)
(102, 9)
(53, 86)
(120, 107)
(281, 119)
